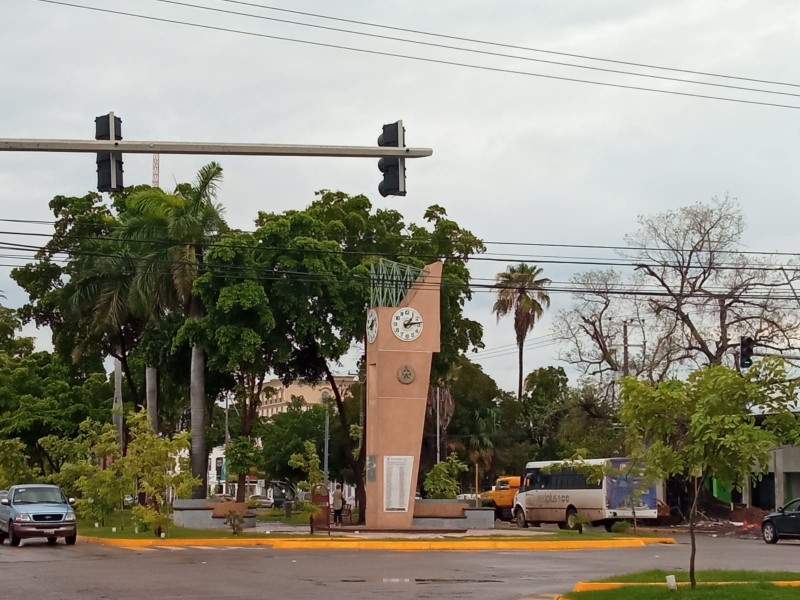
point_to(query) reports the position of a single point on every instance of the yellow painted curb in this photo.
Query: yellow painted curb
(398, 545)
(594, 586)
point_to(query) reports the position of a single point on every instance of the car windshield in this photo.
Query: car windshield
(38, 496)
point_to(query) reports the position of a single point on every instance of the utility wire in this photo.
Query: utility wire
(473, 257)
(416, 58)
(504, 45)
(79, 224)
(473, 50)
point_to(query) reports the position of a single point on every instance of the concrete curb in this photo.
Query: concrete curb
(593, 586)
(397, 545)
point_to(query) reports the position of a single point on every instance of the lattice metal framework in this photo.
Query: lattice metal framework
(390, 281)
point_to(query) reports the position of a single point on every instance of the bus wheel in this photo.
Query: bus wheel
(609, 525)
(520, 516)
(572, 521)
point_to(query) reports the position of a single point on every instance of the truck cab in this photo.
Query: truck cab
(501, 497)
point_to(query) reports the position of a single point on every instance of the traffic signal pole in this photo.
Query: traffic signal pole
(207, 148)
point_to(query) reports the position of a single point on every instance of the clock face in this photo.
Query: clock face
(372, 325)
(406, 324)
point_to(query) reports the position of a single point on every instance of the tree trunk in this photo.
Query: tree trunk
(116, 410)
(197, 402)
(151, 384)
(692, 520)
(241, 487)
(519, 387)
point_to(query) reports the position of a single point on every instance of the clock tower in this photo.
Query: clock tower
(402, 335)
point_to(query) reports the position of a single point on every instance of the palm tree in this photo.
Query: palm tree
(101, 291)
(173, 231)
(521, 290)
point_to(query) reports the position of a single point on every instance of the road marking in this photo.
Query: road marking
(136, 549)
(171, 548)
(202, 547)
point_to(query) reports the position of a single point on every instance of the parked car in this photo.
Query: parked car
(783, 523)
(263, 501)
(37, 510)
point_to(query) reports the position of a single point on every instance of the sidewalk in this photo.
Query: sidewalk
(473, 540)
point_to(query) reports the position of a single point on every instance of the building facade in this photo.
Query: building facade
(277, 396)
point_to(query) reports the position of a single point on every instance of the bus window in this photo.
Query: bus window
(543, 481)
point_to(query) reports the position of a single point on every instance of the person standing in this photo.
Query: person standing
(338, 505)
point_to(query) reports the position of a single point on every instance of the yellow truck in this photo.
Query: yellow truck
(501, 497)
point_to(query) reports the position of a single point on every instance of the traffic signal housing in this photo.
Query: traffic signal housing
(109, 164)
(746, 345)
(392, 167)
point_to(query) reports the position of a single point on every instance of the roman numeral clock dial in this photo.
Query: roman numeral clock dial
(407, 324)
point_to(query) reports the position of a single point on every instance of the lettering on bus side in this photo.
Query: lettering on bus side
(556, 498)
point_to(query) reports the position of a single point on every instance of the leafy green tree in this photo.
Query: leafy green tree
(14, 464)
(241, 457)
(442, 480)
(308, 462)
(82, 229)
(170, 232)
(544, 401)
(40, 397)
(521, 290)
(590, 425)
(159, 466)
(704, 427)
(285, 434)
(101, 481)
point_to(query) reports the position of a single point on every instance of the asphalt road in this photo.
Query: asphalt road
(91, 572)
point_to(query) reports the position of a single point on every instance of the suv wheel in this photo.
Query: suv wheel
(520, 516)
(12, 537)
(70, 539)
(3, 536)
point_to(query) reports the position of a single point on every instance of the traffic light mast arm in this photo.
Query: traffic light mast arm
(208, 148)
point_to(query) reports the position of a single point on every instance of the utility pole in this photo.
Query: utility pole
(325, 397)
(625, 369)
(438, 424)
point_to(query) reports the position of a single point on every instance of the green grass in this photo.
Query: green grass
(656, 576)
(749, 591)
(276, 515)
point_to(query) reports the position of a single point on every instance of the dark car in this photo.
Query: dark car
(783, 523)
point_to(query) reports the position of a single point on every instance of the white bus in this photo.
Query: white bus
(550, 494)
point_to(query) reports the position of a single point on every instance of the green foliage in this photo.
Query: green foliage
(703, 427)
(241, 455)
(308, 462)
(157, 465)
(620, 527)
(285, 434)
(235, 519)
(442, 480)
(14, 466)
(101, 479)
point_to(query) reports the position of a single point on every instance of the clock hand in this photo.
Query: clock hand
(409, 323)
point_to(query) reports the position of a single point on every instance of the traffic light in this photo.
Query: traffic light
(746, 345)
(109, 164)
(392, 167)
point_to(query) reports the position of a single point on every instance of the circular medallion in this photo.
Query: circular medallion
(405, 374)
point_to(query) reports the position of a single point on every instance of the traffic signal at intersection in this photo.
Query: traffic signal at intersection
(109, 164)
(392, 167)
(746, 345)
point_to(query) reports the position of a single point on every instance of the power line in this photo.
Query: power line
(417, 58)
(505, 45)
(485, 243)
(472, 50)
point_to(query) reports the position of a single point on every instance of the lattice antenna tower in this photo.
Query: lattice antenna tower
(156, 169)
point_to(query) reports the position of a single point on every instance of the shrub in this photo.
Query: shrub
(442, 480)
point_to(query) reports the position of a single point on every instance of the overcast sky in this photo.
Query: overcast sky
(516, 158)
